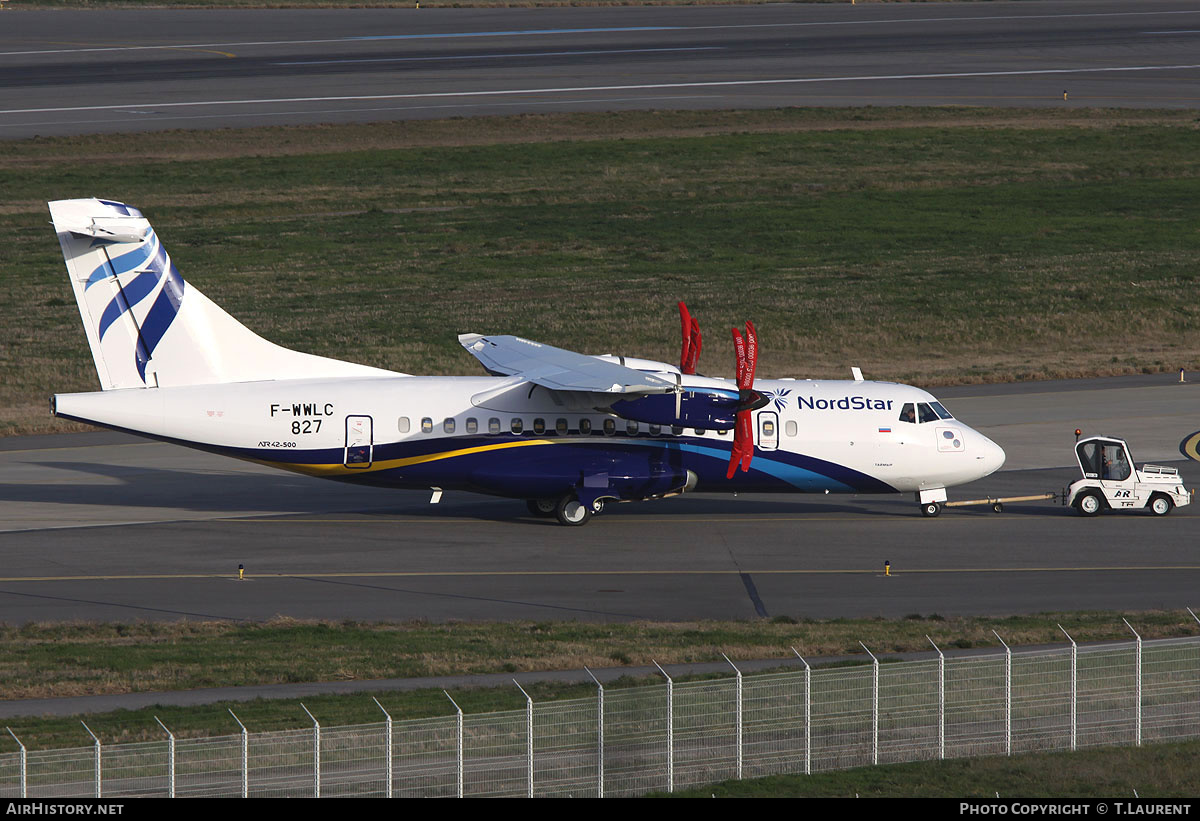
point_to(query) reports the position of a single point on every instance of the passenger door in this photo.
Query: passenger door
(359, 445)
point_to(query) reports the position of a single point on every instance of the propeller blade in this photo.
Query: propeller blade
(751, 357)
(694, 350)
(739, 350)
(685, 322)
(746, 350)
(746, 429)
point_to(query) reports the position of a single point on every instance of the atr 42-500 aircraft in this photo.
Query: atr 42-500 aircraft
(563, 431)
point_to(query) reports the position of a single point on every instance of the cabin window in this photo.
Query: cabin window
(631, 428)
(402, 424)
(516, 425)
(493, 425)
(448, 424)
(560, 426)
(926, 413)
(585, 426)
(676, 430)
(700, 431)
(908, 413)
(768, 428)
(610, 427)
(426, 425)
(655, 430)
(472, 425)
(789, 427)
(539, 426)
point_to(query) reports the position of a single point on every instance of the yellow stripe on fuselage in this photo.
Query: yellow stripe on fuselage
(341, 470)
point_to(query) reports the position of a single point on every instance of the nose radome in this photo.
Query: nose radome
(993, 456)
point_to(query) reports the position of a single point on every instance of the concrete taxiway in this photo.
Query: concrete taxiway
(104, 526)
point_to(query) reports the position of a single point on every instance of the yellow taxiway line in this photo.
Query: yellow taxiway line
(415, 574)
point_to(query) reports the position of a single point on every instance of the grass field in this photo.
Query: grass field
(74, 658)
(929, 246)
(58, 660)
(1156, 771)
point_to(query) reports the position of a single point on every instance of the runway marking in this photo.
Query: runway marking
(122, 48)
(614, 30)
(459, 574)
(499, 56)
(633, 87)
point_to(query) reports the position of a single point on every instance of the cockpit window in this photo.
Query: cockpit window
(941, 410)
(926, 413)
(907, 414)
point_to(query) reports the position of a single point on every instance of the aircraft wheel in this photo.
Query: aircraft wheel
(571, 512)
(998, 507)
(930, 509)
(1089, 503)
(543, 508)
(1160, 505)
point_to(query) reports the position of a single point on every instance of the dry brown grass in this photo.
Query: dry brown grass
(73, 659)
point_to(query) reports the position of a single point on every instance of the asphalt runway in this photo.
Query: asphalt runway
(109, 527)
(77, 72)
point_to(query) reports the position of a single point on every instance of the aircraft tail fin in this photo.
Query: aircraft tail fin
(146, 326)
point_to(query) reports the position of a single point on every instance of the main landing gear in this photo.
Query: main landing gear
(568, 510)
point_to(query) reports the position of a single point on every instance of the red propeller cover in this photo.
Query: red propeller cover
(746, 351)
(690, 354)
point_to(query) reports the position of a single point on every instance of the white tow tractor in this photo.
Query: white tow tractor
(1111, 482)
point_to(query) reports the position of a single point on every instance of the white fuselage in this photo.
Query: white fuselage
(811, 436)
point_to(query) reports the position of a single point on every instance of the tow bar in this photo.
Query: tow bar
(997, 503)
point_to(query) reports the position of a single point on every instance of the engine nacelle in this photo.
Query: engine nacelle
(696, 410)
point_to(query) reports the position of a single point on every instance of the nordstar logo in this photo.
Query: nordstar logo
(151, 271)
(843, 403)
(778, 398)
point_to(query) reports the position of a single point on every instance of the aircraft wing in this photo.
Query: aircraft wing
(559, 369)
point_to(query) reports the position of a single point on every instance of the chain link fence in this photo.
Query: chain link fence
(634, 740)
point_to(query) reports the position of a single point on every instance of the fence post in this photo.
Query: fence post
(941, 700)
(1074, 684)
(387, 753)
(874, 705)
(1138, 664)
(738, 716)
(670, 728)
(807, 714)
(528, 739)
(599, 734)
(245, 756)
(458, 745)
(316, 752)
(1007, 695)
(171, 758)
(98, 780)
(23, 762)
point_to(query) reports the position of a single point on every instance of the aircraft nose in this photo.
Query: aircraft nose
(991, 456)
